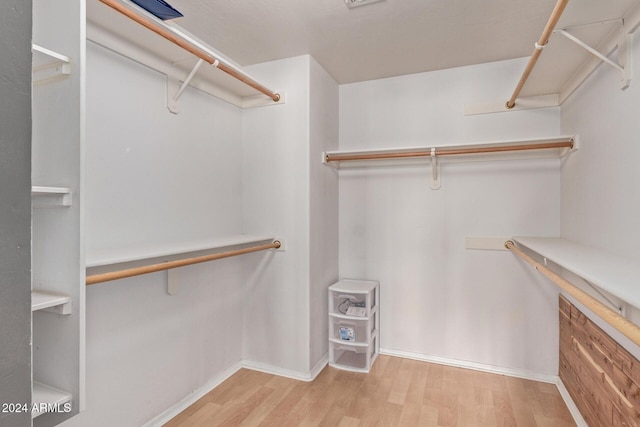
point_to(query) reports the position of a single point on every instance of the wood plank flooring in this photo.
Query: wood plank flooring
(397, 392)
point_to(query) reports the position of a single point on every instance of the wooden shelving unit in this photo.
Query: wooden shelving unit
(116, 32)
(540, 148)
(101, 261)
(57, 289)
(611, 273)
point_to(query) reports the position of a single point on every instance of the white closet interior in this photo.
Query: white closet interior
(125, 177)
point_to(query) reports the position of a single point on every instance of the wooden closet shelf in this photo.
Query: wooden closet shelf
(612, 273)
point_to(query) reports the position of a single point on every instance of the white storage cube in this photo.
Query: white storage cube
(353, 324)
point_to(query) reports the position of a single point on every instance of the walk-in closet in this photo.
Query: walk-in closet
(319, 213)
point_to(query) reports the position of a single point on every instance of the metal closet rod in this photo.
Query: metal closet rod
(447, 151)
(624, 326)
(137, 271)
(542, 42)
(191, 47)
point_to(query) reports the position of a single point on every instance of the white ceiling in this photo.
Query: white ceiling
(397, 37)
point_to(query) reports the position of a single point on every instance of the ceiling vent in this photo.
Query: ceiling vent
(355, 3)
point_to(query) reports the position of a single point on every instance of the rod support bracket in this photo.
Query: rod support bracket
(624, 55)
(625, 49)
(173, 85)
(435, 170)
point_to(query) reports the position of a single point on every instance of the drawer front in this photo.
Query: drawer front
(351, 330)
(352, 357)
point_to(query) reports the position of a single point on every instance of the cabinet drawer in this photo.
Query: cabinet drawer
(351, 330)
(352, 357)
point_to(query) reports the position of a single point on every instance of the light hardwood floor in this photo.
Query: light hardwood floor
(397, 392)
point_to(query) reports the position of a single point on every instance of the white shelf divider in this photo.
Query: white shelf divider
(613, 274)
(44, 396)
(50, 301)
(43, 197)
(49, 66)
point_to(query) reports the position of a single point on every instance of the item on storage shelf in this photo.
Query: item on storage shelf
(356, 311)
(348, 302)
(159, 8)
(347, 333)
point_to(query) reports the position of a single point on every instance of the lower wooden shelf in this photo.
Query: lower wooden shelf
(49, 399)
(50, 301)
(44, 197)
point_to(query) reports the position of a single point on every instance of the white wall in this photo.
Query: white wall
(438, 299)
(15, 209)
(153, 177)
(288, 192)
(600, 191)
(600, 182)
(323, 187)
(276, 200)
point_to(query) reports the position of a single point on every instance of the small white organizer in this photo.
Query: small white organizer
(354, 322)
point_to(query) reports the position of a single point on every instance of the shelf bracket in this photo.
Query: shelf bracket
(617, 306)
(624, 55)
(435, 170)
(172, 101)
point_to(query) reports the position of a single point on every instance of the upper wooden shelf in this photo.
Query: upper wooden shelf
(48, 66)
(542, 148)
(170, 252)
(50, 301)
(613, 274)
(108, 28)
(42, 196)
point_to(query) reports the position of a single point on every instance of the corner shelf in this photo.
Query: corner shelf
(43, 197)
(611, 273)
(50, 301)
(49, 396)
(49, 66)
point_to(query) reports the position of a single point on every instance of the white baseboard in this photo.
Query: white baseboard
(173, 411)
(288, 373)
(315, 371)
(518, 373)
(573, 409)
